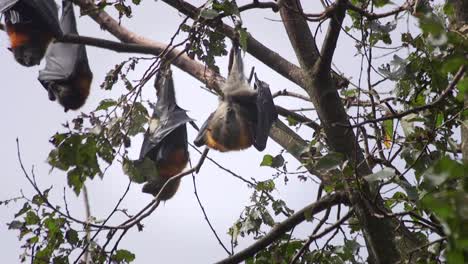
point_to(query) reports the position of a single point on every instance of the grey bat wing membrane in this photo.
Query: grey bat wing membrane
(167, 113)
(47, 10)
(266, 114)
(6, 4)
(63, 59)
(169, 120)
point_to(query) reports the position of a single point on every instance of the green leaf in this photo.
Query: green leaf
(330, 161)
(462, 85)
(267, 218)
(26, 207)
(267, 160)
(266, 186)
(407, 124)
(60, 260)
(243, 37)
(380, 3)
(105, 104)
(439, 206)
(274, 162)
(75, 180)
(452, 64)
(140, 171)
(32, 218)
(72, 236)
(123, 255)
(209, 13)
(292, 121)
(15, 224)
(33, 240)
(380, 175)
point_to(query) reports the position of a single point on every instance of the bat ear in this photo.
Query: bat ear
(10, 49)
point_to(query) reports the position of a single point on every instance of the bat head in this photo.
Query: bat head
(71, 94)
(154, 187)
(28, 43)
(28, 53)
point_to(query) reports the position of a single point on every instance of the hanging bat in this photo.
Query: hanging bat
(244, 115)
(67, 76)
(31, 25)
(165, 142)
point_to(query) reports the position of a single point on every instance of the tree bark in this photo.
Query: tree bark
(383, 235)
(459, 23)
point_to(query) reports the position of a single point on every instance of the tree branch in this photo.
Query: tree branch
(283, 227)
(300, 118)
(182, 61)
(329, 44)
(258, 4)
(319, 235)
(381, 235)
(254, 47)
(439, 100)
(297, 27)
(373, 16)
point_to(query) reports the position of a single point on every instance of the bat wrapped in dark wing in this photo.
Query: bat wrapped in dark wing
(165, 142)
(67, 76)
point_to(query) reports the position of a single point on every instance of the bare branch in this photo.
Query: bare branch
(436, 102)
(292, 94)
(314, 237)
(300, 118)
(258, 4)
(283, 227)
(373, 16)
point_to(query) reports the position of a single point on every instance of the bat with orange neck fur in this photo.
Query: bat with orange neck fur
(244, 115)
(31, 26)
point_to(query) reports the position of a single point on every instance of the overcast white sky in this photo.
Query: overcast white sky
(176, 231)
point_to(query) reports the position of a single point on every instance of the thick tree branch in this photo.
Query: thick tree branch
(329, 44)
(381, 235)
(280, 133)
(283, 227)
(184, 62)
(297, 27)
(254, 47)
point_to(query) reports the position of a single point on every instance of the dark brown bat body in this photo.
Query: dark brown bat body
(243, 117)
(165, 142)
(31, 25)
(171, 157)
(73, 92)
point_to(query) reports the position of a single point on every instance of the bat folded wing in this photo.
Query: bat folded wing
(63, 59)
(6, 4)
(266, 114)
(166, 123)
